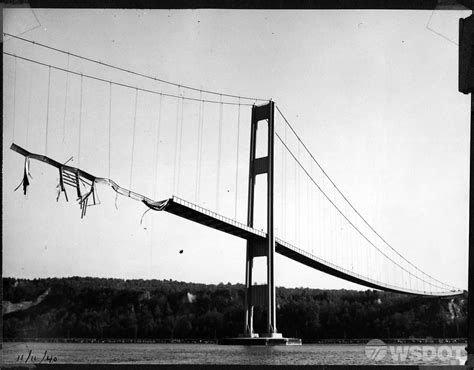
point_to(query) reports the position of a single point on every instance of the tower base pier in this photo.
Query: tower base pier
(261, 341)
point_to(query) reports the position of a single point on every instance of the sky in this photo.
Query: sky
(373, 94)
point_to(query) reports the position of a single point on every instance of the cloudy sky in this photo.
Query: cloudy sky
(372, 93)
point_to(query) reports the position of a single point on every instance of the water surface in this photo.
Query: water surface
(308, 354)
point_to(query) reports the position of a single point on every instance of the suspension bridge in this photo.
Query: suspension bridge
(298, 211)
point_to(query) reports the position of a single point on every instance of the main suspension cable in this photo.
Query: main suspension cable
(130, 71)
(349, 221)
(350, 204)
(119, 83)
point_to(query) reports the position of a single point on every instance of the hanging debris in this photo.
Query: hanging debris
(157, 206)
(60, 186)
(83, 182)
(26, 174)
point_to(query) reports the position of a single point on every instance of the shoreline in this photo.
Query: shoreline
(214, 341)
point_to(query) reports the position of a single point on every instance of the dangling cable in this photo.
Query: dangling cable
(26, 175)
(110, 125)
(65, 101)
(237, 162)
(180, 142)
(47, 111)
(14, 99)
(143, 215)
(133, 138)
(176, 142)
(157, 148)
(219, 149)
(80, 128)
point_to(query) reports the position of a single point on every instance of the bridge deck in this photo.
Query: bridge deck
(193, 212)
(205, 217)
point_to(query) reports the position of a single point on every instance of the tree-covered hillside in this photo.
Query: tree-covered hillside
(114, 308)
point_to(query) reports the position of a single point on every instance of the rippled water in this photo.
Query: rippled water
(309, 354)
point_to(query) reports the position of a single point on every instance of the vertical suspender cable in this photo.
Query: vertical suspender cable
(282, 200)
(80, 127)
(395, 274)
(337, 236)
(157, 147)
(29, 109)
(295, 207)
(360, 259)
(367, 255)
(322, 217)
(284, 182)
(110, 125)
(318, 227)
(176, 141)
(309, 208)
(219, 155)
(334, 234)
(237, 162)
(198, 150)
(14, 100)
(409, 280)
(180, 145)
(47, 112)
(297, 200)
(133, 138)
(350, 244)
(65, 101)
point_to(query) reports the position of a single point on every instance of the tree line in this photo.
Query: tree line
(87, 307)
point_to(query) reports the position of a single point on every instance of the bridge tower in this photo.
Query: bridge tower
(262, 295)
